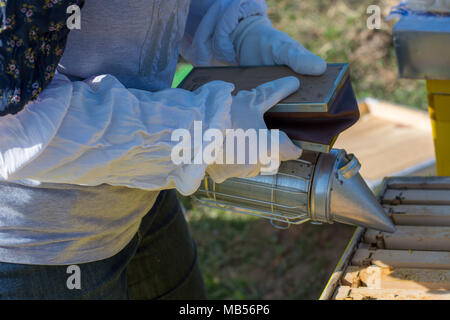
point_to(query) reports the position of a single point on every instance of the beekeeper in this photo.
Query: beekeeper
(83, 165)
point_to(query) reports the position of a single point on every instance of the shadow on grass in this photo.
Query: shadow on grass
(243, 257)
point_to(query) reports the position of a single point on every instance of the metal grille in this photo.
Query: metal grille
(283, 197)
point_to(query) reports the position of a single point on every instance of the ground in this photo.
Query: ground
(246, 258)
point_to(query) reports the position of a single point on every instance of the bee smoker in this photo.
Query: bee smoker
(318, 187)
(324, 185)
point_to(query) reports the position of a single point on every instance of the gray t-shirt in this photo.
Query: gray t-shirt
(137, 41)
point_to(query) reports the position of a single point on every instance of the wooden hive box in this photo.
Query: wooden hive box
(390, 140)
(411, 264)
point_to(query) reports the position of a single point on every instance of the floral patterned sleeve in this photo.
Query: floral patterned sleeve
(33, 35)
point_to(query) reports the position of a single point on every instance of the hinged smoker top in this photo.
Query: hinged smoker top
(312, 117)
(317, 94)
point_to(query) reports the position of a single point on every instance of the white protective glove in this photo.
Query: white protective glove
(257, 43)
(247, 111)
(97, 131)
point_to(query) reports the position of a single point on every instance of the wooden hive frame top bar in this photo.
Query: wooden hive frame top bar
(413, 262)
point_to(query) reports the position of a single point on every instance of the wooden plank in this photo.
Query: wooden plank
(363, 245)
(399, 114)
(419, 183)
(374, 277)
(402, 259)
(413, 262)
(363, 108)
(348, 293)
(419, 215)
(397, 142)
(434, 210)
(420, 220)
(387, 144)
(424, 197)
(342, 265)
(411, 238)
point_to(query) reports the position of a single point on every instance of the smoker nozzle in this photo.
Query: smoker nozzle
(318, 187)
(341, 194)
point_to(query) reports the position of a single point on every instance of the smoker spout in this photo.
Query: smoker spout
(341, 195)
(352, 202)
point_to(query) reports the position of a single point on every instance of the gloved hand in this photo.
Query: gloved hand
(257, 43)
(61, 138)
(247, 111)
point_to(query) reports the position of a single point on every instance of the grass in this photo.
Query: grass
(337, 31)
(246, 258)
(243, 257)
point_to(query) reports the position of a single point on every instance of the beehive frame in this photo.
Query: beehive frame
(414, 262)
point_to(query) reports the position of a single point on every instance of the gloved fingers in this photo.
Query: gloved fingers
(285, 150)
(299, 59)
(288, 150)
(251, 170)
(217, 173)
(216, 85)
(270, 93)
(221, 172)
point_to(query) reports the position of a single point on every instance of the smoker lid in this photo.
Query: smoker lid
(318, 127)
(316, 93)
(312, 117)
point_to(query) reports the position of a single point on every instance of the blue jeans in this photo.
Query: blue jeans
(160, 262)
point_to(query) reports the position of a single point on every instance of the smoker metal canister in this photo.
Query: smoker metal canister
(322, 187)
